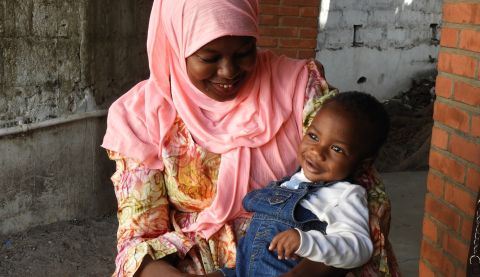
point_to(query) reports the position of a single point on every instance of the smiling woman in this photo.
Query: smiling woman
(220, 68)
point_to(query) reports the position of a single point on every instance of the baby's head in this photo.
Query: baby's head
(344, 137)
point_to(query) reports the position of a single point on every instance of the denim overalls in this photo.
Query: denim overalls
(276, 209)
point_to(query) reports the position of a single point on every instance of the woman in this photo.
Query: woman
(215, 119)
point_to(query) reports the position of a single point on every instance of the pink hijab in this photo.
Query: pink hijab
(256, 133)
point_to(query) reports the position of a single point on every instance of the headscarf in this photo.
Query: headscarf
(256, 133)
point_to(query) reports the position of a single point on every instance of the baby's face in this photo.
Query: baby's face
(333, 146)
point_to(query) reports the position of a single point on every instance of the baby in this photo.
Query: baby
(318, 213)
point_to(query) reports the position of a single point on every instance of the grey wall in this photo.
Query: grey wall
(395, 42)
(57, 55)
(58, 59)
(55, 173)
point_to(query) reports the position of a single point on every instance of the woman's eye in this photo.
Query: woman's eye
(337, 149)
(246, 53)
(208, 59)
(313, 136)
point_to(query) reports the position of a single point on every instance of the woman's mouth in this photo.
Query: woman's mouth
(226, 91)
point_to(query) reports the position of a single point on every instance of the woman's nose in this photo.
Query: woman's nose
(227, 69)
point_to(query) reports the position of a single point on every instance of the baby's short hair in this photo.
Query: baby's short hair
(367, 109)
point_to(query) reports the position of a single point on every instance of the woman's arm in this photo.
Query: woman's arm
(144, 231)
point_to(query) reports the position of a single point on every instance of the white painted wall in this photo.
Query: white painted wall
(394, 43)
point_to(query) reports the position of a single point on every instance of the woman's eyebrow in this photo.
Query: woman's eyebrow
(246, 45)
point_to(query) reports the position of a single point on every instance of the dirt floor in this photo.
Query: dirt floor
(71, 248)
(87, 248)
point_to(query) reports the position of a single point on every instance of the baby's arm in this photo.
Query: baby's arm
(347, 243)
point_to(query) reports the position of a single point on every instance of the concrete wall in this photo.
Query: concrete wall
(55, 173)
(395, 41)
(56, 55)
(58, 59)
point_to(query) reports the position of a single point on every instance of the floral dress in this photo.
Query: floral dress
(154, 205)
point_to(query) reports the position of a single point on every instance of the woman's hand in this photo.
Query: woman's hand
(285, 243)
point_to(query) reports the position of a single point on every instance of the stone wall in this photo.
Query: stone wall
(63, 57)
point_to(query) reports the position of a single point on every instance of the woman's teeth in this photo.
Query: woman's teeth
(225, 86)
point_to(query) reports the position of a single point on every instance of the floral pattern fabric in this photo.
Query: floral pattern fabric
(154, 205)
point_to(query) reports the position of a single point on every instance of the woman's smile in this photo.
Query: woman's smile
(226, 89)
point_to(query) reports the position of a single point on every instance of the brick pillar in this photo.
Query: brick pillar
(454, 176)
(289, 27)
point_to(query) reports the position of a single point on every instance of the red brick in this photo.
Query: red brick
(451, 116)
(443, 87)
(293, 53)
(455, 247)
(269, 9)
(435, 184)
(459, 198)
(306, 54)
(457, 64)
(298, 21)
(449, 37)
(447, 166)
(465, 149)
(475, 131)
(430, 229)
(293, 11)
(266, 2)
(298, 43)
(267, 42)
(467, 94)
(441, 212)
(270, 20)
(424, 270)
(437, 259)
(311, 3)
(466, 231)
(279, 10)
(439, 138)
(461, 13)
(310, 11)
(461, 272)
(470, 39)
(473, 179)
(308, 33)
(279, 31)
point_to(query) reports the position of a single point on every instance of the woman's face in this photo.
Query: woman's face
(221, 67)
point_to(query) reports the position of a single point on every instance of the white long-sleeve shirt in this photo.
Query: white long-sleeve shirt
(343, 206)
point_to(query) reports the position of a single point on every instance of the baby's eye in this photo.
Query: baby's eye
(312, 136)
(336, 149)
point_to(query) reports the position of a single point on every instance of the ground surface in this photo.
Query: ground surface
(87, 248)
(64, 249)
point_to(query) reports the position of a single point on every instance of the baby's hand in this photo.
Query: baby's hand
(285, 243)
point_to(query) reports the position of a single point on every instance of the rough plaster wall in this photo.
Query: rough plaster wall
(52, 174)
(395, 42)
(59, 57)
